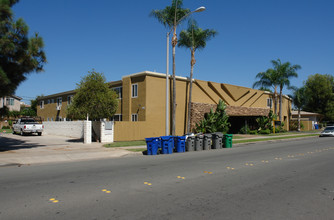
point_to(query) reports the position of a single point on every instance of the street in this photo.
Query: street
(273, 180)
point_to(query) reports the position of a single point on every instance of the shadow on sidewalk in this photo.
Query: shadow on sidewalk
(8, 144)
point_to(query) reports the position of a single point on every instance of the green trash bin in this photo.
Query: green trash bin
(227, 140)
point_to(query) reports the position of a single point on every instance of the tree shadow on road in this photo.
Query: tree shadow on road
(8, 144)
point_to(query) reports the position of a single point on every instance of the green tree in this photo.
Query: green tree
(93, 97)
(170, 17)
(319, 89)
(214, 121)
(34, 102)
(299, 100)
(19, 54)
(194, 38)
(266, 80)
(278, 76)
(285, 71)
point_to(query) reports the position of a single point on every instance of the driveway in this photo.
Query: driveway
(31, 149)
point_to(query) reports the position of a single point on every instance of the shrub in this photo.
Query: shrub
(253, 132)
(5, 127)
(214, 121)
(266, 131)
(244, 130)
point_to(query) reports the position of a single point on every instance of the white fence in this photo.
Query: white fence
(103, 131)
(74, 129)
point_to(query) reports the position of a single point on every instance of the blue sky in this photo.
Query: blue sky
(120, 38)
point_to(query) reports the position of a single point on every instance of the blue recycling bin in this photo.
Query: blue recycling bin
(180, 144)
(167, 144)
(153, 145)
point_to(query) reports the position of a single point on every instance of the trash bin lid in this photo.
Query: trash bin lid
(166, 138)
(208, 135)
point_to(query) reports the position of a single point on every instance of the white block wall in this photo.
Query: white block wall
(87, 132)
(107, 136)
(74, 129)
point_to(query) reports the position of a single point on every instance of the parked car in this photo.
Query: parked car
(328, 132)
(28, 126)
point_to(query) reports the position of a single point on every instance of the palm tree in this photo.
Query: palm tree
(285, 71)
(266, 80)
(170, 18)
(194, 38)
(280, 76)
(299, 100)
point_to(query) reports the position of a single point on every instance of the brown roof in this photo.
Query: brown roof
(246, 111)
(303, 113)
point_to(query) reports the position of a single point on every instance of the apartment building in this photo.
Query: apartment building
(142, 104)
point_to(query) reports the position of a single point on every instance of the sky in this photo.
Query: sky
(119, 38)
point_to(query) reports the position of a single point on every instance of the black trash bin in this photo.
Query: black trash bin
(190, 143)
(199, 142)
(217, 140)
(207, 142)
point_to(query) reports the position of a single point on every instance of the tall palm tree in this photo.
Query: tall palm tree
(299, 100)
(266, 80)
(194, 38)
(285, 71)
(170, 18)
(279, 76)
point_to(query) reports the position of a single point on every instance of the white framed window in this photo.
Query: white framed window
(134, 117)
(119, 91)
(41, 104)
(59, 101)
(117, 117)
(69, 99)
(269, 102)
(134, 90)
(9, 101)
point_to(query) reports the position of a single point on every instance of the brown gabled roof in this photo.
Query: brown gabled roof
(246, 111)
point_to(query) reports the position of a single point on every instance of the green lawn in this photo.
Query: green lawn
(137, 149)
(126, 144)
(273, 138)
(6, 131)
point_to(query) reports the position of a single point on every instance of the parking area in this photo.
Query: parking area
(31, 149)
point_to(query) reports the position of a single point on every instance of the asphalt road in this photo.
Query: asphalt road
(278, 180)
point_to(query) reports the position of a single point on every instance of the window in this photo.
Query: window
(269, 102)
(59, 101)
(117, 117)
(69, 99)
(134, 117)
(41, 104)
(49, 101)
(119, 91)
(9, 101)
(134, 90)
(52, 101)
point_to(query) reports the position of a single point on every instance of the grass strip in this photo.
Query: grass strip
(126, 144)
(6, 131)
(137, 149)
(273, 138)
